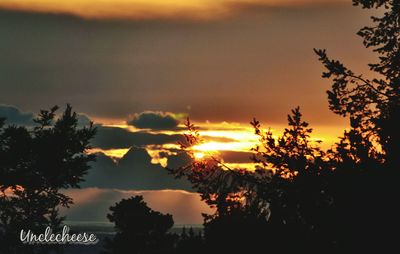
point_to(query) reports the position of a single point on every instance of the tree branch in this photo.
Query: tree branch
(368, 84)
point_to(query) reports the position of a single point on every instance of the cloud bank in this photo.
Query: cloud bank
(14, 115)
(113, 137)
(135, 171)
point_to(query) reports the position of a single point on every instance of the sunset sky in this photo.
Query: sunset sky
(137, 68)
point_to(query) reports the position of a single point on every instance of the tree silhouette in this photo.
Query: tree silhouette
(35, 164)
(340, 200)
(367, 157)
(372, 104)
(139, 228)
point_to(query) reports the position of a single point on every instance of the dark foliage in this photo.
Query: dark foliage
(35, 164)
(139, 229)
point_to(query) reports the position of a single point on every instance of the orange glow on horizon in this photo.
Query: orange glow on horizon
(219, 137)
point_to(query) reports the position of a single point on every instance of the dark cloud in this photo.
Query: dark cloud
(154, 120)
(133, 171)
(112, 137)
(179, 160)
(14, 115)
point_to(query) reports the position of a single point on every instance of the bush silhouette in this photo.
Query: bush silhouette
(139, 228)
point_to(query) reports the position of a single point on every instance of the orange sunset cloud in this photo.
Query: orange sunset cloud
(144, 9)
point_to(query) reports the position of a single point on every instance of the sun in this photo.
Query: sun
(205, 150)
(199, 155)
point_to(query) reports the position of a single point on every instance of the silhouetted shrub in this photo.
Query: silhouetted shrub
(139, 229)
